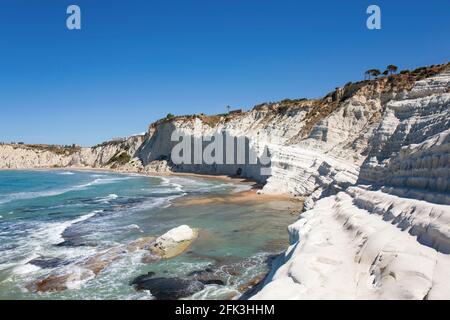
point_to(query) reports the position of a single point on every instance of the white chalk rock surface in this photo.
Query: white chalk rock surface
(340, 250)
(174, 241)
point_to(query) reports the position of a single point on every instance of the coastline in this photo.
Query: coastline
(255, 187)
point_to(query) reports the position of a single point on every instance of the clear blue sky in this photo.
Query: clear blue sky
(135, 61)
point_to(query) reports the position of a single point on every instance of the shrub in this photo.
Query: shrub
(283, 109)
(120, 158)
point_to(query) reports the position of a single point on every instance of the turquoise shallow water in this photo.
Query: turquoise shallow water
(72, 216)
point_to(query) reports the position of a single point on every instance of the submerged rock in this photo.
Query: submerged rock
(100, 261)
(60, 281)
(167, 288)
(208, 276)
(71, 243)
(47, 262)
(142, 278)
(150, 257)
(212, 281)
(200, 272)
(73, 276)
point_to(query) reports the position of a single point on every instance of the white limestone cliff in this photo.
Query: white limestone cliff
(117, 154)
(388, 236)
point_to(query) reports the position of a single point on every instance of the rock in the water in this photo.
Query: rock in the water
(150, 257)
(200, 272)
(142, 278)
(173, 242)
(208, 276)
(71, 277)
(59, 281)
(168, 288)
(47, 262)
(71, 243)
(212, 281)
(100, 261)
(140, 244)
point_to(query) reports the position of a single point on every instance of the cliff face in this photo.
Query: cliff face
(387, 235)
(120, 155)
(372, 160)
(318, 147)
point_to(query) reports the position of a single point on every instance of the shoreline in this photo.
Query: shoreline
(244, 197)
(255, 187)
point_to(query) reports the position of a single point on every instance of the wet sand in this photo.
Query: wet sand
(280, 202)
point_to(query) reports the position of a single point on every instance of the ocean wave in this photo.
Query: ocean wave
(194, 185)
(108, 198)
(182, 181)
(66, 173)
(52, 232)
(163, 202)
(32, 195)
(175, 186)
(50, 193)
(41, 242)
(242, 187)
(132, 227)
(23, 269)
(101, 181)
(164, 191)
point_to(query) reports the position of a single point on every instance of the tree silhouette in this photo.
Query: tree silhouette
(375, 72)
(367, 74)
(391, 69)
(228, 109)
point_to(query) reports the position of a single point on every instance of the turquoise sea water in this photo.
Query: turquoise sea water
(70, 216)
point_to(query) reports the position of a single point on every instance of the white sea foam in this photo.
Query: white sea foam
(66, 173)
(133, 227)
(31, 195)
(4, 266)
(101, 181)
(214, 292)
(241, 188)
(79, 276)
(25, 269)
(52, 232)
(153, 202)
(108, 198)
(175, 187)
(50, 193)
(22, 267)
(41, 241)
(164, 190)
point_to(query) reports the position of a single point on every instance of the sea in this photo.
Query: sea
(51, 221)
